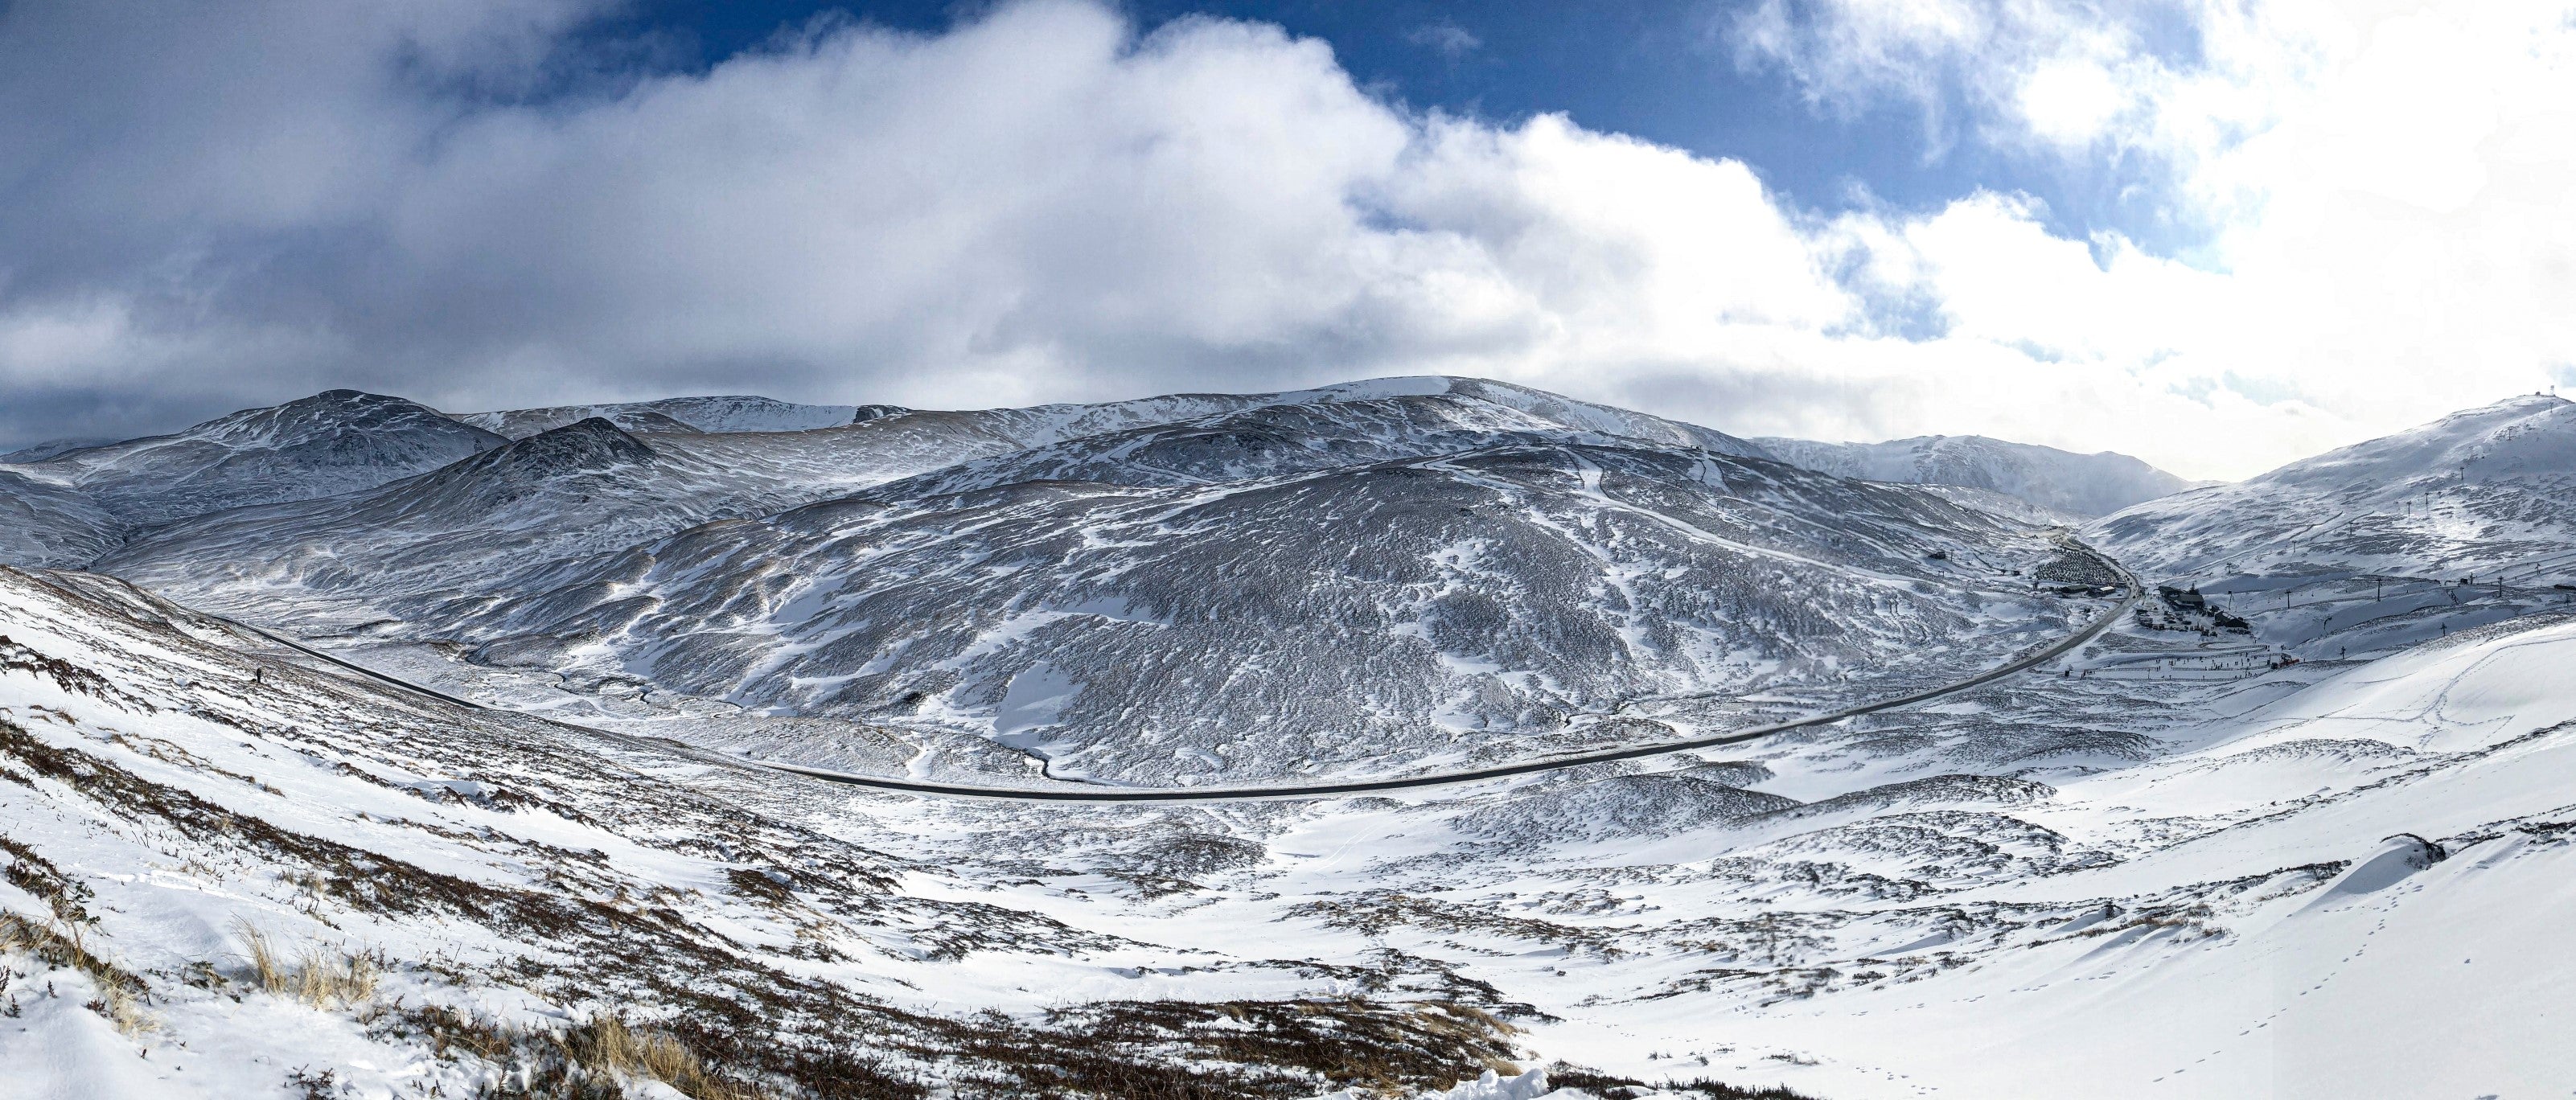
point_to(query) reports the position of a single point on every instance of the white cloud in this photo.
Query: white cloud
(1448, 39)
(1040, 205)
(2375, 178)
(2070, 101)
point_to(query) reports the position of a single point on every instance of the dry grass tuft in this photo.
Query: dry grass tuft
(345, 978)
(62, 943)
(606, 1043)
(319, 977)
(266, 969)
(592, 1060)
(123, 1008)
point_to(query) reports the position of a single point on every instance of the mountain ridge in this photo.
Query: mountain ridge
(331, 442)
(2087, 485)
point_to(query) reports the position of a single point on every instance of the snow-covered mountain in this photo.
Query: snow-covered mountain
(1387, 613)
(2474, 492)
(2083, 485)
(1160, 598)
(581, 489)
(672, 414)
(329, 443)
(622, 490)
(2470, 518)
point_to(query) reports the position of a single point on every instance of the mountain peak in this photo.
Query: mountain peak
(591, 443)
(326, 413)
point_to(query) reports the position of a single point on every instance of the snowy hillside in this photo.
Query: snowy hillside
(898, 443)
(1393, 613)
(345, 441)
(1502, 402)
(2050, 886)
(37, 452)
(48, 524)
(2083, 485)
(230, 876)
(2468, 519)
(2473, 492)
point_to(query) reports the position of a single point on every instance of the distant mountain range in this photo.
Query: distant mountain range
(72, 505)
(1380, 573)
(2074, 484)
(1427, 568)
(683, 414)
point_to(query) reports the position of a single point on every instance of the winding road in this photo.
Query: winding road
(2025, 663)
(2091, 631)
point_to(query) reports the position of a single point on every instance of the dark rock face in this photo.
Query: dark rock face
(866, 413)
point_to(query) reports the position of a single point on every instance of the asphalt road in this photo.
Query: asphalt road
(360, 669)
(2091, 631)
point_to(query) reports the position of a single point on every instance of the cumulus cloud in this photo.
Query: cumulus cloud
(2371, 182)
(211, 209)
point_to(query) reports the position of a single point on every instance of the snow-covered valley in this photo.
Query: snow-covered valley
(2168, 863)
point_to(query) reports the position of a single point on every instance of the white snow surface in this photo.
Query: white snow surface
(2250, 887)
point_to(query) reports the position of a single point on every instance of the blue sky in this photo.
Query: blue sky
(1669, 72)
(2218, 236)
